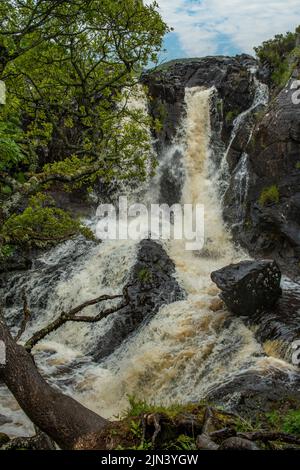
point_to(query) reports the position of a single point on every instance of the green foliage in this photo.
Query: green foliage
(71, 70)
(41, 224)
(297, 166)
(130, 432)
(274, 419)
(6, 251)
(75, 91)
(184, 442)
(10, 150)
(161, 116)
(291, 423)
(137, 407)
(244, 425)
(281, 55)
(269, 195)
(288, 422)
(230, 116)
(145, 276)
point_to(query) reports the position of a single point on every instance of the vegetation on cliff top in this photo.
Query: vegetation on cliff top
(281, 55)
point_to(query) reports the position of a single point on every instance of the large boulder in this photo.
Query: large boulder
(253, 393)
(249, 287)
(151, 284)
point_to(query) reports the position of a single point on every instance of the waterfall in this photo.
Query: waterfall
(261, 99)
(240, 187)
(187, 349)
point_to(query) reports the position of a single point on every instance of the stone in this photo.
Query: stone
(4, 439)
(151, 284)
(229, 75)
(271, 230)
(238, 443)
(205, 443)
(249, 287)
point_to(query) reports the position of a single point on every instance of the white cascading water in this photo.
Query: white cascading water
(261, 98)
(240, 184)
(186, 349)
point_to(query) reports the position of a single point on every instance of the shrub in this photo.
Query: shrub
(291, 424)
(230, 116)
(269, 195)
(281, 55)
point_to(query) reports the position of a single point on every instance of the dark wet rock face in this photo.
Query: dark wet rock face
(18, 261)
(252, 393)
(281, 326)
(229, 75)
(151, 284)
(264, 153)
(249, 287)
(172, 176)
(271, 226)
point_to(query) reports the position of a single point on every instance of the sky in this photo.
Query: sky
(225, 27)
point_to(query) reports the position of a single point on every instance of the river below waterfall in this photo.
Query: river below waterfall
(186, 350)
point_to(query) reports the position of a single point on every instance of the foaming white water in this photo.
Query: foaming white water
(63, 355)
(261, 98)
(192, 346)
(189, 347)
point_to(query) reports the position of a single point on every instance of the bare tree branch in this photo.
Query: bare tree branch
(65, 317)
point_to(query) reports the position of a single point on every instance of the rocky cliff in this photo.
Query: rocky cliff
(259, 138)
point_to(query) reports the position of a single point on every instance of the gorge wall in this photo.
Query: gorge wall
(260, 137)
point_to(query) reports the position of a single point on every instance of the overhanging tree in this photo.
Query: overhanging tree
(70, 68)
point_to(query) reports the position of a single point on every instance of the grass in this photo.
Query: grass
(145, 275)
(130, 431)
(230, 116)
(288, 422)
(269, 195)
(291, 423)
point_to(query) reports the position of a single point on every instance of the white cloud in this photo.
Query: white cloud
(202, 25)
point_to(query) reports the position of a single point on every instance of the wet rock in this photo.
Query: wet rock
(271, 228)
(4, 439)
(279, 329)
(229, 75)
(151, 284)
(17, 261)
(237, 443)
(205, 443)
(253, 394)
(172, 176)
(38, 442)
(249, 287)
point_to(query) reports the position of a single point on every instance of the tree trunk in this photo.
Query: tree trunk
(61, 417)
